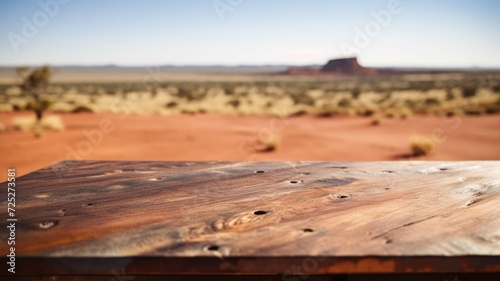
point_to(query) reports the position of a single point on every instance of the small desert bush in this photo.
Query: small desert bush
(234, 103)
(297, 112)
(390, 114)
(324, 113)
(468, 92)
(269, 144)
(367, 112)
(52, 123)
(84, 108)
(405, 113)
(356, 92)
(475, 110)
(345, 102)
(431, 101)
(492, 108)
(62, 107)
(376, 120)
(454, 112)
(421, 145)
(24, 124)
(4, 107)
(171, 104)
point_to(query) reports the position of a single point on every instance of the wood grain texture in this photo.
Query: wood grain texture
(258, 217)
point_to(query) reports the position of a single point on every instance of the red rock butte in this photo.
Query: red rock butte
(345, 66)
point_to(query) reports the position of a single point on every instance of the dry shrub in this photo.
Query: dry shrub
(6, 107)
(421, 145)
(405, 113)
(52, 123)
(390, 114)
(84, 108)
(269, 144)
(455, 112)
(376, 120)
(28, 124)
(24, 124)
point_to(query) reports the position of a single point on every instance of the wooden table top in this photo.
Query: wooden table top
(93, 217)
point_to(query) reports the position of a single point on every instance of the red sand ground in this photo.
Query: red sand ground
(216, 137)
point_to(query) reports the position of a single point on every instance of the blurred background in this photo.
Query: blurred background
(248, 81)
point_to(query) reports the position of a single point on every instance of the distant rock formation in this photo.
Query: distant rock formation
(347, 66)
(340, 67)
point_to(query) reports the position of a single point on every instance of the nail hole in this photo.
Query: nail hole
(337, 167)
(387, 188)
(341, 196)
(305, 174)
(113, 173)
(307, 230)
(213, 248)
(62, 212)
(156, 179)
(47, 224)
(443, 169)
(259, 213)
(295, 181)
(259, 172)
(88, 205)
(390, 172)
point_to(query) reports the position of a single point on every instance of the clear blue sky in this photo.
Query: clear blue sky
(435, 33)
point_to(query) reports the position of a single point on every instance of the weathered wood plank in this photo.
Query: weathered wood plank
(259, 217)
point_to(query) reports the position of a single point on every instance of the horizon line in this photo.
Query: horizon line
(114, 65)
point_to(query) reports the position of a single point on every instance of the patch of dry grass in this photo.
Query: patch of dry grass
(269, 144)
(405, 113)
(29, 124)
(5, 107)
(24, 124)
(53, 123)
(376, 120)
(422, 145)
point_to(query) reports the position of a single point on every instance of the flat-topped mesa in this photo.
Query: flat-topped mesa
(347, 66)
(340, 67)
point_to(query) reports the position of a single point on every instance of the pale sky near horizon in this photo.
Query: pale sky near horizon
(426, 33)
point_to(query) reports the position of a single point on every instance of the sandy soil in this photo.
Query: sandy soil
(215, 137)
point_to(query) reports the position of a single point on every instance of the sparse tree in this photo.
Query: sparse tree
(33, 83)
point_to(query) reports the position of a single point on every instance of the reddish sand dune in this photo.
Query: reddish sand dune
(215, 137)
